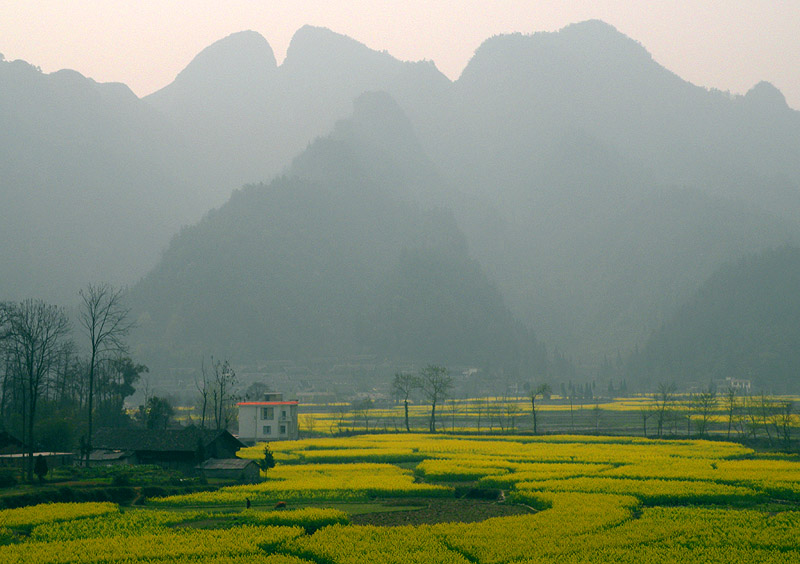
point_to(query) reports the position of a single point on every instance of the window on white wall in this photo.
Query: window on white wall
(267, 413)
(267, 429)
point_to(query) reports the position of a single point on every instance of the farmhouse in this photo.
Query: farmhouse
(230, 469)
(53, 459)
(180, 449)
(269, 420)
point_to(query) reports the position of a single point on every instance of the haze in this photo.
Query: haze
(724, 45)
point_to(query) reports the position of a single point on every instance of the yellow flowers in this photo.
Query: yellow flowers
(173, 545)
(317, 482)
(591, 499)
(51, 512)
(310, 518)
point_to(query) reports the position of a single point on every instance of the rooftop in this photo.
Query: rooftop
(185, 440)
(225, 464)
(289, 402)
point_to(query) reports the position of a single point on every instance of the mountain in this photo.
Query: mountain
(741, 323)
(327, 260)
(226, 103)
(562, 141)
(88, 183)
(593, 186)
(249, 117)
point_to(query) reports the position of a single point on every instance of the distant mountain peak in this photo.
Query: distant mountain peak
(312, 45)
(591, 44)
(766, 95)
(241, 52)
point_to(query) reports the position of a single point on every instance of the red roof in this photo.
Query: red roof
(290, 402)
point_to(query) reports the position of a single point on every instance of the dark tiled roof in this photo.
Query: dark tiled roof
(155, 440)
(226, 464)
(107, 455)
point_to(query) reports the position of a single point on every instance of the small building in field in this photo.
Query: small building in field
(102, 457)
(736, 384)
(272, 419)
(179, 449)
(238, 469)
(53, 459)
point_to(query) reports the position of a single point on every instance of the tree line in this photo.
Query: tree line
(50, 393)
(741, 415)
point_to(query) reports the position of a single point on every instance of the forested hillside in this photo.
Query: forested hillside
(741, 323)
(329, 261)
(587, 189)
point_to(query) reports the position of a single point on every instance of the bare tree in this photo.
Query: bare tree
(664, 398)
(104, 318)
(512, 411)
(436, 384)
(33, 340)
(767, 409)
(402, 386)
(750, 421)
(596, 413)
(540, 391)
(646, 412)
(784, 422)
(222, 396)
(571, 412)
(705, 403)
(730, 405)
(202, 387)
(360, 409)
(453, 413)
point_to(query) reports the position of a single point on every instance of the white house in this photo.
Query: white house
(270, 420)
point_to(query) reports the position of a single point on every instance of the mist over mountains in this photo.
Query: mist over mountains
(565, 184)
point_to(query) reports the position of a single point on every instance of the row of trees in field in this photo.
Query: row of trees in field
(743, 415)
(49, 392)
(435, 383)
(660, 414)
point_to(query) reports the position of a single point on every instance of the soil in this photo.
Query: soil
(441, 511)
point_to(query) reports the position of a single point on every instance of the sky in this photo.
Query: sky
(729, 45)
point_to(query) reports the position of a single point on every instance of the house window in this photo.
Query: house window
(267, 429)
(283, 429)
(267, 413)
(283, 414)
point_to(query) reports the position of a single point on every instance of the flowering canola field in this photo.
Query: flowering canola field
(591, 499)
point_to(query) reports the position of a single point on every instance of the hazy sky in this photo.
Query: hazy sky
(725, 44)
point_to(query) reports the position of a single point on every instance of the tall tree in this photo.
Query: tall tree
(705, 404)
(542, 390)
(436, 383)
(158, 412)
(203, 389)
(663, 400)
(35, 334)
(221, 395)
(104, 318)
(730, 407)
(115, 382)
(402, 386)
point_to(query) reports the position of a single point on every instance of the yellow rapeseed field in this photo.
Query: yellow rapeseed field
(590, 499)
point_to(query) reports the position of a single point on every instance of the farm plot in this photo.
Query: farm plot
(579, 499)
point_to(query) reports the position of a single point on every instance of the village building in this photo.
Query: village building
(272, 419)
(179, 449)
(53, 459)
(238, 469)
(734, 384)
